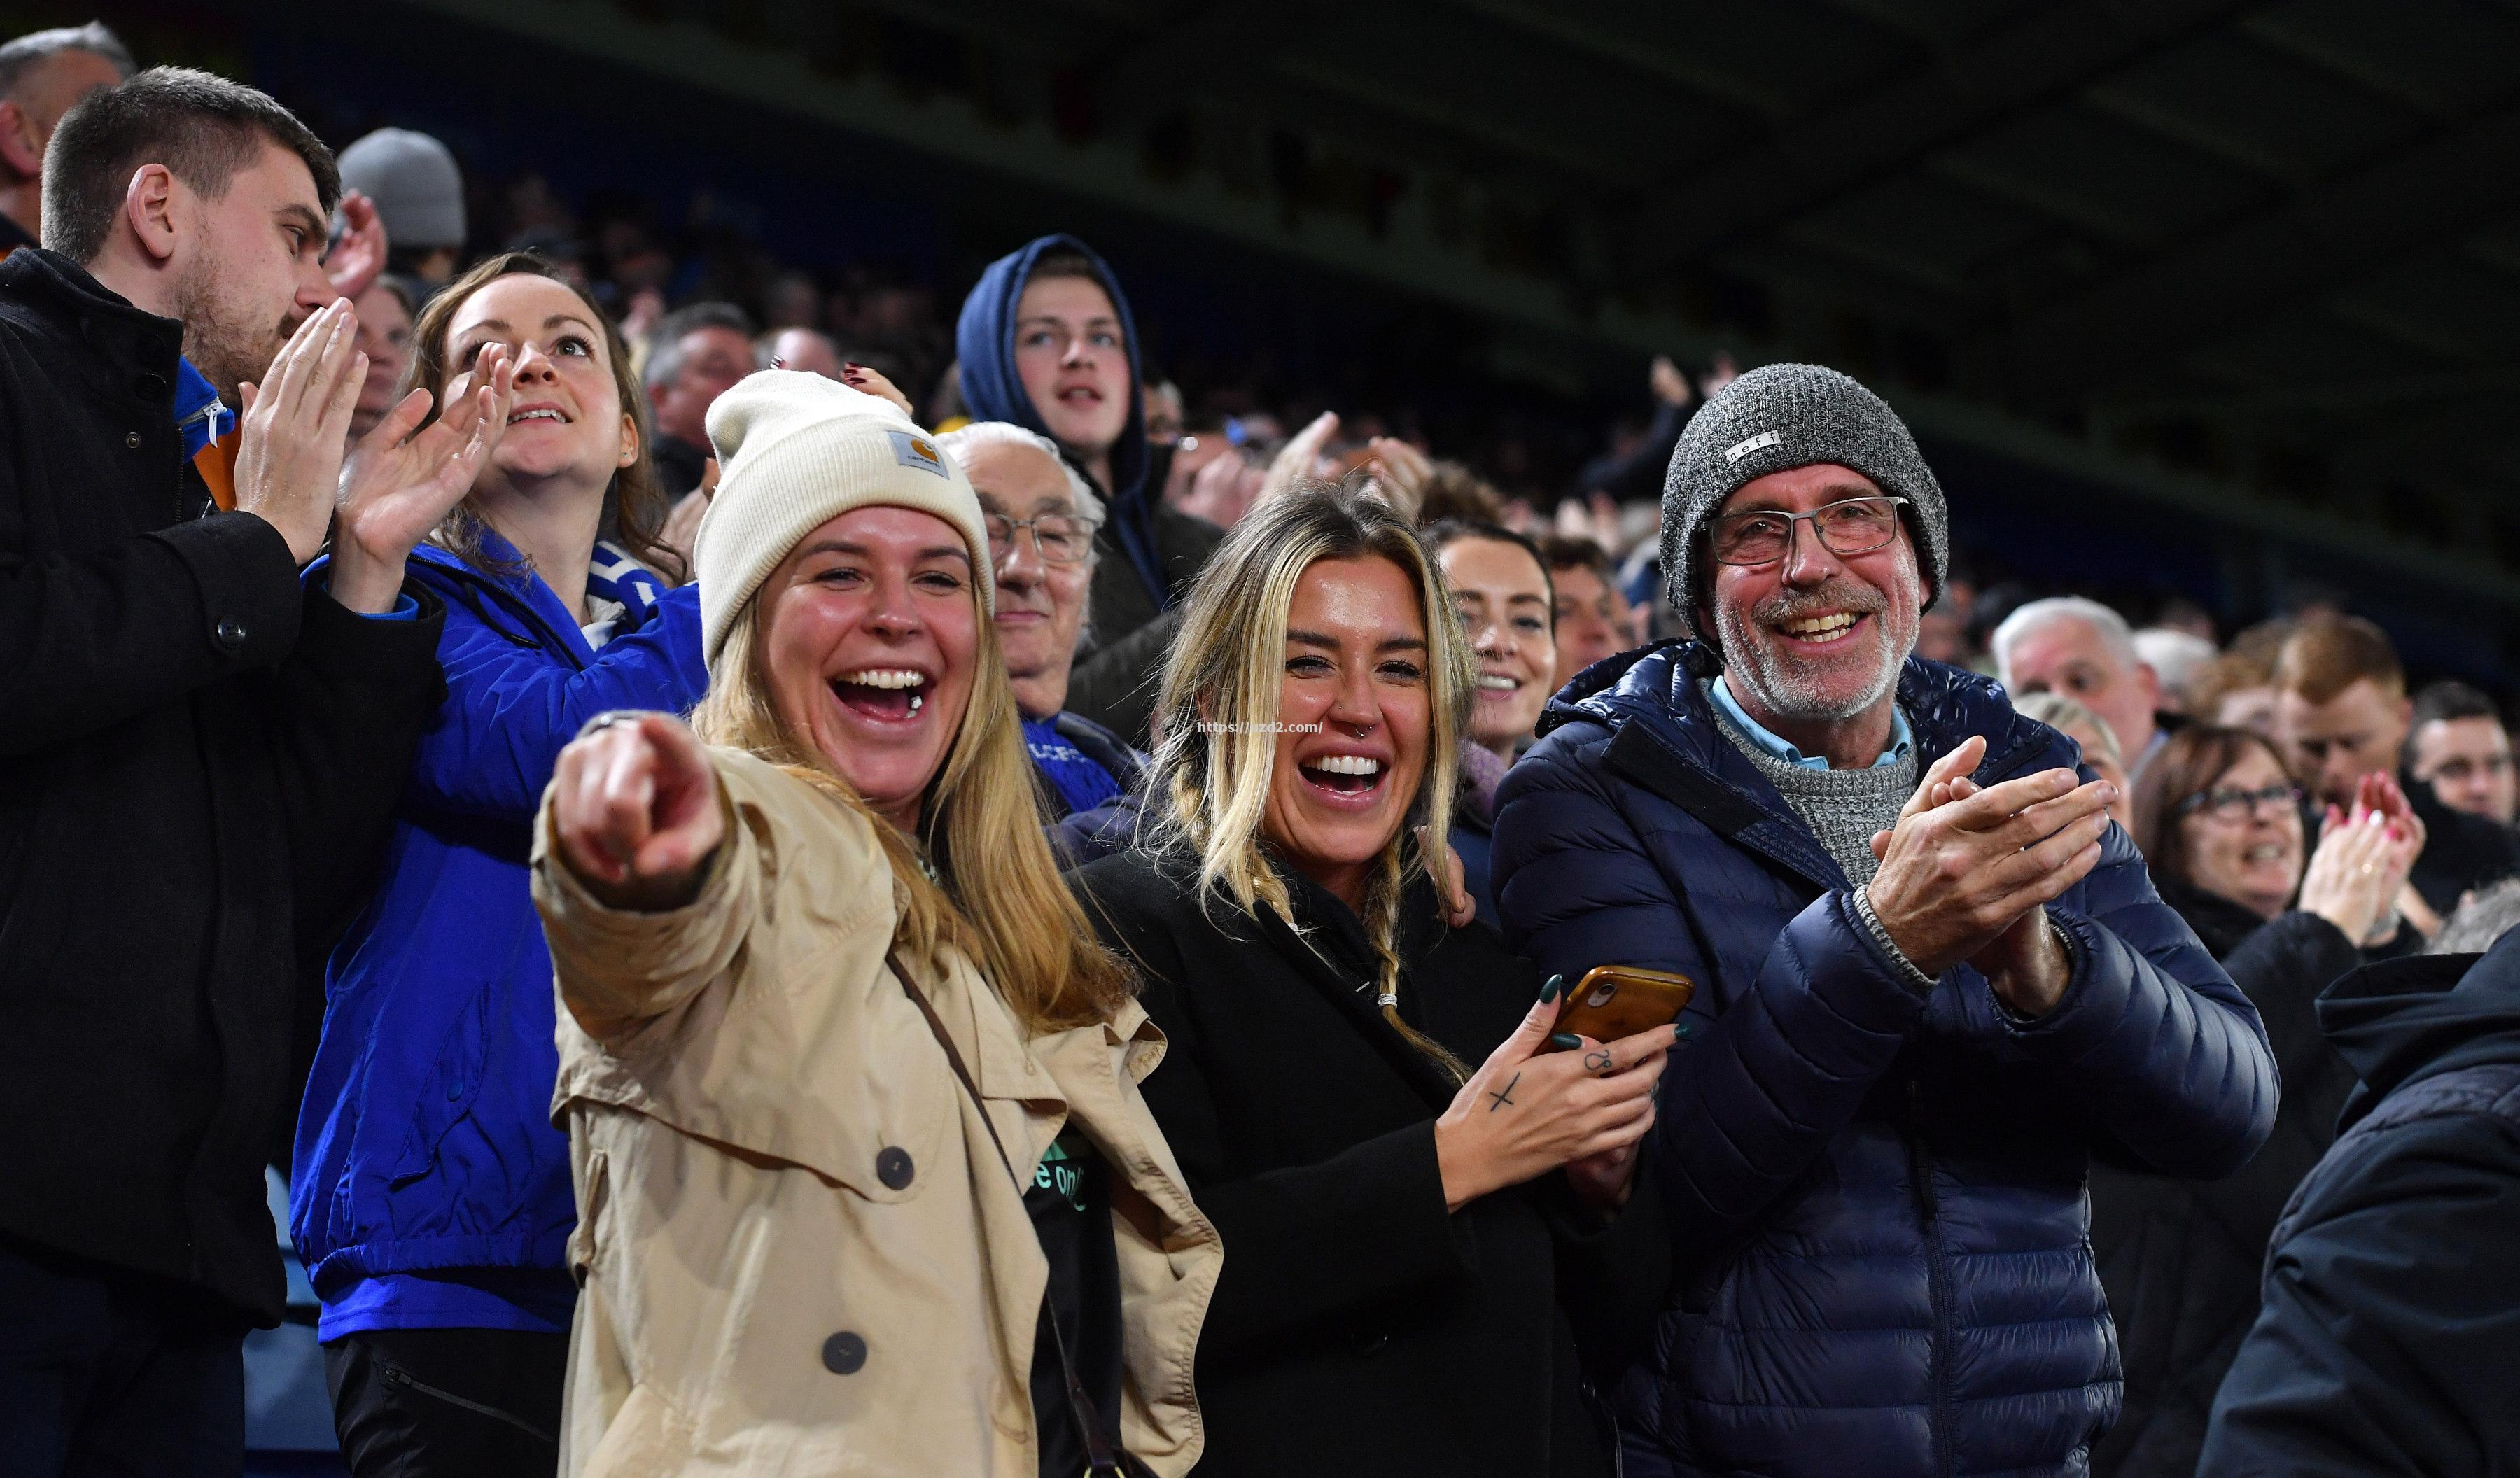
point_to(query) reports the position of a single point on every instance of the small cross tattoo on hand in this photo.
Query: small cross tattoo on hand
(1505, 1094)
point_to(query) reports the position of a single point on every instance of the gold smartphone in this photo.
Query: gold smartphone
(1614, 1001)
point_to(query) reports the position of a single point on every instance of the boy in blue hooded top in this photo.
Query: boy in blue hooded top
(1047, 342)
(430, 1197)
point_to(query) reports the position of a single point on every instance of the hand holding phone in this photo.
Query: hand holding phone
(1616, 1000)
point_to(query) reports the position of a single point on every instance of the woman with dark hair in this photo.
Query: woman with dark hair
(1506, 601)
(1046, 342)
(2220, 824)
(430, 1195)
(1416, 1250)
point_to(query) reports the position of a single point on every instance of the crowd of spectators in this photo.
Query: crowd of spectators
(2273, 835)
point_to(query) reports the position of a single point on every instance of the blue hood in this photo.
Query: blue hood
(984, 341)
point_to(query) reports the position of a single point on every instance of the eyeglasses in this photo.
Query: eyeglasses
(2236, 806)
(1062, 538)
(1763, 536)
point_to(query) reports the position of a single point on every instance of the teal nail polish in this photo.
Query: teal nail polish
(1549, 988)
(1565, 1042)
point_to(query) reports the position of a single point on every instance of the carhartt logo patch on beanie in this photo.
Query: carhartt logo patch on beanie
(795, 451)
(1772, 420)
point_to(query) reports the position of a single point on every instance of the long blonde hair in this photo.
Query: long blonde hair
(995, 894)
(1219, 713)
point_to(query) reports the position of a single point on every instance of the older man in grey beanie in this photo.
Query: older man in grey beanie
(1931, 977)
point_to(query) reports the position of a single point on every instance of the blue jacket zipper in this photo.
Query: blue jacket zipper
(1920, 1161)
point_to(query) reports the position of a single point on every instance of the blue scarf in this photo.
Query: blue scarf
(200, 414)
(985, 340)
(1081, 783)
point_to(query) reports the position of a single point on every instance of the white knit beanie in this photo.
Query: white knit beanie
(795, 451)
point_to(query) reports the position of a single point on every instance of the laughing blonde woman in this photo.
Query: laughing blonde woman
(1420, 1251)
(819, 975)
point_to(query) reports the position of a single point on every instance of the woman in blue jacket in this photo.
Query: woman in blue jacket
(430, 1195)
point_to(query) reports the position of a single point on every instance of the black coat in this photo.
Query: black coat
(2389, 1342)
(2461, 850)
(1114, 680)
(197, 768)
(1359, 1328)
(2179, 1259)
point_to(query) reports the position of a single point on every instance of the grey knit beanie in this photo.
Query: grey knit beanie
(412, 179)
(1772, 420)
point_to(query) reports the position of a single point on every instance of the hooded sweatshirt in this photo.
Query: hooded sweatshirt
(2391, 1291)
(984, 339)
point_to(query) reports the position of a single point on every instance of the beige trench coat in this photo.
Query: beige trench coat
(799, 1251)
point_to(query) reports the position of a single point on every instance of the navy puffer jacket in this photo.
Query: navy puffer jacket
(1886, 1255)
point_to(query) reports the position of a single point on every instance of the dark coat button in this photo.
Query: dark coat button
(131, 440)
(844, 1354)
(893, 1168)
(231, 633)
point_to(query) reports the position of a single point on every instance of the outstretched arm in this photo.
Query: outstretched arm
(646, 888)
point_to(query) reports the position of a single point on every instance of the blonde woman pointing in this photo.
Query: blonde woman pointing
(864, 1177)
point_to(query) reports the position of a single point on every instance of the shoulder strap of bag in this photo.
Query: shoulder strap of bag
(1100, 1457)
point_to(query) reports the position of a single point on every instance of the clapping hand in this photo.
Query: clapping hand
(1401, 474)
(1223, 489)
(294, 426)
(358, 258)
(634, 811)
(396, 486)
(1299, 460)
(1967, 872)
(2358, 871)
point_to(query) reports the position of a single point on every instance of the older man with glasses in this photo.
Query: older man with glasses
(1042, 517)
(1932, 979)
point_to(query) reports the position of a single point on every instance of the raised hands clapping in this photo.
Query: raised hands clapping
(397, 485)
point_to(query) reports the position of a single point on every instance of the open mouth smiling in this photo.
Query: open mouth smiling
(525, 413)
(1824, 629)
(1347, 776)
(884, 695)
(1495, 685)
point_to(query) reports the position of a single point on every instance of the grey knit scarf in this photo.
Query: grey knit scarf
(1842, 807)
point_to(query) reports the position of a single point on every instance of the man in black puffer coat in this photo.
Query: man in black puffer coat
(2391, 1330)
(1933, 980)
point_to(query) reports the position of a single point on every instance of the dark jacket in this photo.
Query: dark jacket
(1638, 472)
(1080, 837)
(2181, 1258)
(1149, 553)
(1359, 1328)
(201, 756)
(1473, 833)
(2390, 1335)
(2461, 850)
(680, 465)
(1877, 1193)
(425, 1139)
